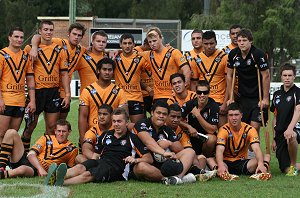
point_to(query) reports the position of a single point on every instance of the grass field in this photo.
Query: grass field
(278, 186)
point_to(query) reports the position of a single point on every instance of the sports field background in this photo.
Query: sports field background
(278, 186)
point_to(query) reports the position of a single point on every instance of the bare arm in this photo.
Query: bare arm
(209, 128)
(219, 158)
(176, 147)
(83, 123)
(273, 142)
(186, 71)
(31, 92)
(229, 85)
(2, 104)
(289, 133)
(35, 42)
(66, 85)
(259, 157)
(88, 150)
(193, 85)
(32, 157)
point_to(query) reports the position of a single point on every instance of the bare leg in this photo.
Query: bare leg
(75, 171)
(21, 171)
(209, 146)
(148, 172)
(293, 148)
(4, 120)
(135, 118)
(50, 120)
(186, 156)
(84, 177)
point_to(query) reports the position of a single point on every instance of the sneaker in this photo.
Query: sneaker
(208, 175)
(173, 180)
(188, 178)
(50, 179)
(293, 171)
(228, 177)
(61, 172)
(261, 176)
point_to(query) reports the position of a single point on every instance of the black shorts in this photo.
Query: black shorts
(47, 100)
(135, 107)
(103, 170)
(14, 111)
(197, 145)
(238, 167)
(65, 110)
(160, 99)
(148, 104)
(24, 161)
(251, 111)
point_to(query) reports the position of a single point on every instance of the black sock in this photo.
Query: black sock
(5, 153)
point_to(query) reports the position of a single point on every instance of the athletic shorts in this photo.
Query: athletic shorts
(251, 111)
(24, 162)
(103, 170)
(197, 145)
(135, 107)
(65, 110)
(282, 153)
(148, 104)
(160, 99)
(14, 111)
(238, 167)
(47, 100)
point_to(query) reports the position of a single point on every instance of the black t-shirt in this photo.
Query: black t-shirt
(164, 132)
(116, 149)
(283, 105)
(210, 113)
(246, 70)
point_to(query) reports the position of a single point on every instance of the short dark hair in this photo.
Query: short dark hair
(107, 107)
(235, 26)
(245, 33)
(203, 83)
(11, 31)
(287, 66)
(105, 61)
(160, 103)
(175, 75)
(62, 122)
(209, 35)
(126, 36)
(78, 26)
(175, 107)
(121, 111)
(234, 106)
(197, 31)
(99, 33)
(47, 22)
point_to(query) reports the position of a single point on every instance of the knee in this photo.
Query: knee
(10, 133)
(86, 176)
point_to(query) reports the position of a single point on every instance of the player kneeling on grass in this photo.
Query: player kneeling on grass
(233, 141)
(47, 150)
(118, 148)
(161, 140)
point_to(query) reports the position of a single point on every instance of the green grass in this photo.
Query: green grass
(278, 186)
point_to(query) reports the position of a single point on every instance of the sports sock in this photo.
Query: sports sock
(267, 165)
(26, 143)
(6, 150)
(79, 147)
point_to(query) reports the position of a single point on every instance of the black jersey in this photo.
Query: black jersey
(210, 113)
(283, 104)
(247, 70)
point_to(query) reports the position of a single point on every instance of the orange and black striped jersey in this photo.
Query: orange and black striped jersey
(72, 54)
(49, 151)
(92, 134)
(51, 60)
(183, 138)
(163, 65)
(87, 68)
(94, 96)
(237, 142)
(175, 99)
(13, 68)
(128, 75)
(213, 69)
(138, 49)
(228, 48)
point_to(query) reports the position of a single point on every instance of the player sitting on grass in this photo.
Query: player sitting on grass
(117, 147)
(47, 150)
(233, 141)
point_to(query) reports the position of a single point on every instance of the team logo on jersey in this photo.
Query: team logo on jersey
(143, 126)
(65, 47)
(237, 63)
(198, 60)
(37, 146)
(77, 51)
(93, 91)
(182, 59)
(57, 49)
(108, 141)
(152, 56)
(221, 140)
(81, 103)
(205, 115)
(49, 142)
(69, 148)
(288, 99)
(249, 62)
(88, 58)
(39, 49)
(114, 91)
(227, 51)
(179, 136)
(88, 140)
(168, 55)
(22, 109)
(256, 139)
(6, 56)
(123, 142)
(244, 135)
(230, 135)
(189, 58)
(136, 60)
(259, 117)
(262, 59)
(161, 137)
(277, 101)
(118, 58)
(24, 57)
(218, 59)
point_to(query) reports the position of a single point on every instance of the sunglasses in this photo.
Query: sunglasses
(202, 92)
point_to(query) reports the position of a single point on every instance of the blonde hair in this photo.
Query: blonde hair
(153, 32)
